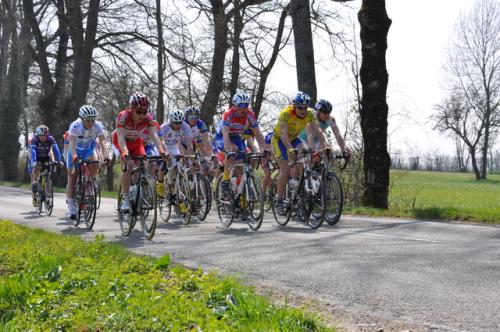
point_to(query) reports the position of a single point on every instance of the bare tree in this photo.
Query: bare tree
(374, 110)
(474, 67)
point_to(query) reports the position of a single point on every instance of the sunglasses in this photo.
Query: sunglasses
(301, 107)
(176, 122)
(89, 119)
(192, 117)
(141, 112)
(243, 105)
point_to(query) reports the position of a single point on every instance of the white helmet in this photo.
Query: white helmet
(241, 98)
(87, 111)
(176, 116)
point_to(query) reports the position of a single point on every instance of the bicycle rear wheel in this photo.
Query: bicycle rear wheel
(269, 198)
(316, 198)
(334, 199)
(49, 197)
(79, 197)
(98, 194)
(254, 203)
(39, 197)
(147, 207)
(183, 203)
(90, 202)
(225, 208)
(283, 218)
(202, 198)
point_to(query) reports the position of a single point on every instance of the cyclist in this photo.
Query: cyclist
(82, 135)
(176, 135)
(234, 121)
(149, 146)
(130, 123)
(201, 138)
(323, 109)
(292, 119)
(43, 148)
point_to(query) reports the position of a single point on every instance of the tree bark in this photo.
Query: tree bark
(216, 83)
(160, 105)
(235, 63)
(304, 49)
(375, 25)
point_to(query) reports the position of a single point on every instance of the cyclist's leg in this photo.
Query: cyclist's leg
(296, 171)
(70, 187)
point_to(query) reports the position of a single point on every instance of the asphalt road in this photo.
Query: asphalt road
(372, 273)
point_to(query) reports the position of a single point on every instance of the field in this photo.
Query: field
(436, 195)
(55, 282)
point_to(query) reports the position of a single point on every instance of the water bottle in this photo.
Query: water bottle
(293, 185)
(133, 192)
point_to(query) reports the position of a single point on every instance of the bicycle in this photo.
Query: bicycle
(143, 200)
(333, 186)
(179, 194)
(246, 199)
(271, 188)
(85, 193)
(201, 191)
(304, 196)
(44, 196)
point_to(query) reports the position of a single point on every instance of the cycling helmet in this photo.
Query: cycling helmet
(139, 99)
(323, 106)
(87, 111)
(301, 98)
(42, 130)
(192, 110)
(176, 116)
(241, 98)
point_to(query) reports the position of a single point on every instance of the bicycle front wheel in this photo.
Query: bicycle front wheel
(39, 197)
(334, 199)
(316, 200)
(124, 218)
(49, 197)
(98, 194)
(202, 198)
(225, 208)
(147, 207)
(254, 203)
(90, 203)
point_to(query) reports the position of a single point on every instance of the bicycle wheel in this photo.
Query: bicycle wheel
(225, 208)
(202, 199)
(79, 197)
(124, 218)
(147, 207)
(283, 218)
(254, 203)
(90, 202)
(49, 197)
(316, 198)
(164, 206)
(269, 198)
(183, 203)
(39, 196)
(334, 198)
(98, 195)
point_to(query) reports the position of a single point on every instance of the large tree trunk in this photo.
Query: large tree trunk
(215, 85)
(160, 105)
(304, 50)
(375, 25)
(473, 160)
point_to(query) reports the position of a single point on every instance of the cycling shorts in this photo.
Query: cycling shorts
(84, 154)
(280, 150)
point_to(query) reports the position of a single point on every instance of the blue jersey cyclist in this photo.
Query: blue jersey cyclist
(83, 133)
(43, 148)
(234, 121)
(201, 138)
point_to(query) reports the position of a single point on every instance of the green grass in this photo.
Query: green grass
(436, 195)
(56, 282)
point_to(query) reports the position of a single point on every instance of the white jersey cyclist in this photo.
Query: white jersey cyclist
(85, 138)
(172, 137)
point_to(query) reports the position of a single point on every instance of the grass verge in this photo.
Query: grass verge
(55, 282)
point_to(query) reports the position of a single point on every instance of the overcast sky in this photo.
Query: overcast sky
(417, 43)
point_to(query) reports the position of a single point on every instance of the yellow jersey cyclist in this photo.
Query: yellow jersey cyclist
(291, 121)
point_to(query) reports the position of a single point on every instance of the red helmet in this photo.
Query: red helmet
(139, 99)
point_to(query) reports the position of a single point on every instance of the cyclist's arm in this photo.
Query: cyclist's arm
(101, 139)
(156, 140)
(225, 137)
(33, 152)
(72, 146)
(259, 137)
(310, 136)
(284, 135)
(55, 150)
(338, 137)
(318, 133)
(120, 133)
(206, 144)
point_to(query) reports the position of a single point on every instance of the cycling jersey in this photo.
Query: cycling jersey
(295, 124)
(198, 130)
(146, 139)
(41, 150)
(323, 125)
(173, 137)
(132, 131)
(238, 124)
(85, 138)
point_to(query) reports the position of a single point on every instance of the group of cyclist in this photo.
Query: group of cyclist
(137, 133)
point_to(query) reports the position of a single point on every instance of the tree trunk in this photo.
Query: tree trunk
(374, 24)
(235, 63)
(215, 85)
(160, 105)
(475, 168)
(304, 49)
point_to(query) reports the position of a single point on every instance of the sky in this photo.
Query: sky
(417, 42)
